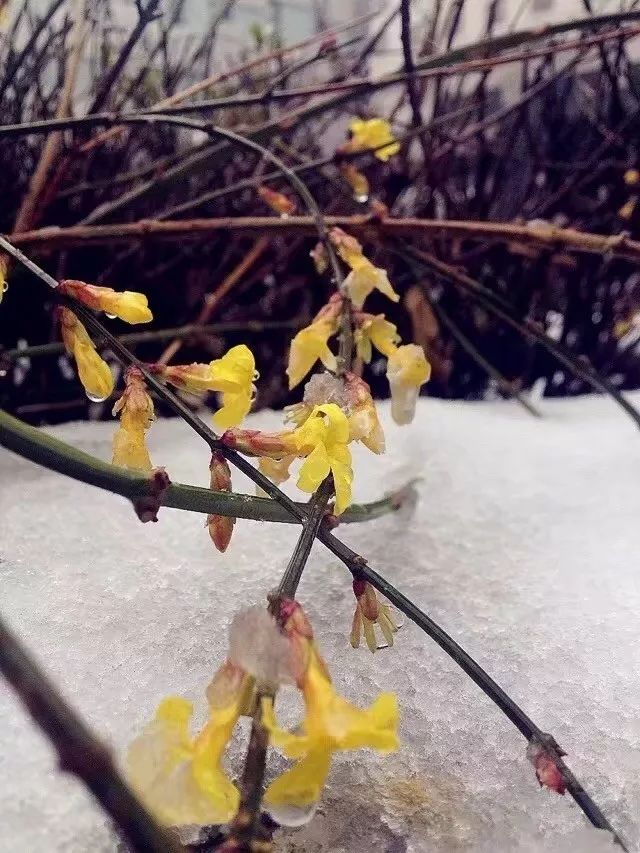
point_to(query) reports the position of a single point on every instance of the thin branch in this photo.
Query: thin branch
(413, 89)
(146, 14)
(191, 331)
(542, 234)
(508, 388)
(498, 306)
(28, 212)
(79, 751)
(55, 455)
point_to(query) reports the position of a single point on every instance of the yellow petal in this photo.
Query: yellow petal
(94, 373)
(130, 306)
(364, 278)
(309, 345)
(235, 407)
(180, 779)
(130, 451)
(277, 470)
(235, 371)
(314, 470)
(291, 798)
(372, 133)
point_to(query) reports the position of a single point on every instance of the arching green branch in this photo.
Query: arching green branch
(48, 451)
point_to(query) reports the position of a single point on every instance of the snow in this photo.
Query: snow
(523, 546)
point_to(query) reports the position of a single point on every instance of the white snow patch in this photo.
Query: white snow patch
(523, 546)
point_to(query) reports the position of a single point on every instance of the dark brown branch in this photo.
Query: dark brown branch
(544, 235)
(146, 14)
(413, 89)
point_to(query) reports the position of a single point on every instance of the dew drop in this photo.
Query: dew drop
(3, 373)
(96, 398)
(361, 198)
(284, 216)
(5, 286)
(110, 316)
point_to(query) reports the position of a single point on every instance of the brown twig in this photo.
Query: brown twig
(28, 213)
(538, 233)
(212, 300)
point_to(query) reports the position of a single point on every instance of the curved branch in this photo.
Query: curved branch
(52, 453)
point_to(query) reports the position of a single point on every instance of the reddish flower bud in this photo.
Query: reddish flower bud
(220, 526)
(278, 202)
(548, 773)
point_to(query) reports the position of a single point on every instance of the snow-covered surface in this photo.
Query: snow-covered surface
(524, 546)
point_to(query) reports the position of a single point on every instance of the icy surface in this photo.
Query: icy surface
(524, 546)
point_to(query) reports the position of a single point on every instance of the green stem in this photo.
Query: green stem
(48, 451)
(194, 329)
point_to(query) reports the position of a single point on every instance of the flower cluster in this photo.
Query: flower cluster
(181, 777)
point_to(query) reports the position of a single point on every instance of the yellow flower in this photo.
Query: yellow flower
(373, 133)
(130, 306)
(309, 345)
(407, 371)
(376, 331)
(323, 439)
(232, 376)
(136, 414)
(364, 424)
(365, 278)
(94, 373)
(180, 777)
(370, 612)
(330, 724)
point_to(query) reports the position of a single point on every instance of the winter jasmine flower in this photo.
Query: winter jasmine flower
(369, 613)
(330, 724)
(310, 345)
(94, 373)
(136, 411)
(232, 376)
(407, 371)
(375, 331)
(323, 440)
(373, 133)
(128, 305)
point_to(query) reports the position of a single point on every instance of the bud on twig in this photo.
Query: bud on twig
(220, 526)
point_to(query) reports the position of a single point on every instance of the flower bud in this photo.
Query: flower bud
(220, 526)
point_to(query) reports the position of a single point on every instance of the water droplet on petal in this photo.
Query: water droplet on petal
(96, 398)
(361, 198)
(5, 286)
(110, 316)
